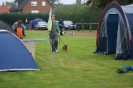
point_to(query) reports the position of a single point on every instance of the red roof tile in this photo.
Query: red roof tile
(4, 9)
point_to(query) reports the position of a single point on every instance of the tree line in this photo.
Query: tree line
(103, 3)
(77, 13)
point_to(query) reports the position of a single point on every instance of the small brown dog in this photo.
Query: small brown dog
(64, 48)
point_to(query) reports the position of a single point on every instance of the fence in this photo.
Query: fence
(90, 26)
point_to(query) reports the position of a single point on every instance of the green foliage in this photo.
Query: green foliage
(76, 13)
(13, 17)
(52, 1)
(78, 2)
(9, 2)
(124, 2)
(103, 3)
(79, 14)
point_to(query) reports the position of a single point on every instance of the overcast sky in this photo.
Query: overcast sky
(68, 1)
(64, 1)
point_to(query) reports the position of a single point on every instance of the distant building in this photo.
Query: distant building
(31, 6)
(4, 8)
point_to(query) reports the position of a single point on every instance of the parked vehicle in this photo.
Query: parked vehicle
(37, 23)
(68, 24)
(41, 25)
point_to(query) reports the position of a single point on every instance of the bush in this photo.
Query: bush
(13, 17)
(75, 13)
(79, 14)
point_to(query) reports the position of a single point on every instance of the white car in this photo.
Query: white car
(41, 25)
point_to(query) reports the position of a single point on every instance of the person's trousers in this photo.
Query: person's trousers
(61, 30)
(53, 41)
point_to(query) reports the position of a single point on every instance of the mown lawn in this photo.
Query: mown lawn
(82, 68)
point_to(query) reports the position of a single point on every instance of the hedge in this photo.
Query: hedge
(75, 13)
(13, 17)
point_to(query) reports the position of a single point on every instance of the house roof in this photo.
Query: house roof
(4, 9)
(21, 4)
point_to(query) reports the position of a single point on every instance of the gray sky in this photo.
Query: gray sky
(1, 1)
(64, 1)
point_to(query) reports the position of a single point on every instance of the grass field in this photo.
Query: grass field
(82, 68)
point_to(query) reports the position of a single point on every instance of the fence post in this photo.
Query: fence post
(69, 27)
(82, 27)
(90, 27)
(75, 26)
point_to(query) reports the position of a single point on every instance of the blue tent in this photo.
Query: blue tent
(114, 32)
(34, 22)
(14, 56)
(5, 26)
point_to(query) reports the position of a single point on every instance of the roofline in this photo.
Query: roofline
(19, 7)
(24, 5)
(50, 3)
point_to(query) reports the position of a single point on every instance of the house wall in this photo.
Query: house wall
(42, 9)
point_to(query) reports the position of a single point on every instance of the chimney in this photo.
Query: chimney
(3, 4)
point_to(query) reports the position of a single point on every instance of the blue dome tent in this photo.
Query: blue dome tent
(14, 56)
(115, 31)
(35, 22)
(6, 26)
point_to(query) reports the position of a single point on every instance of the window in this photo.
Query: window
(34, 11)
(33, 3)
(15, 4)
(43, 4)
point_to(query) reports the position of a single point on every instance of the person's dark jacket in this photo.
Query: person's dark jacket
(61, 23)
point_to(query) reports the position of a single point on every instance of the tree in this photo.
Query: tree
(103, 3)
(9, 2)
(78, 2)
(124, 2)
(52, 1)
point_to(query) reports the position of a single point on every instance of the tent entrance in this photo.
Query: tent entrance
(112, 28)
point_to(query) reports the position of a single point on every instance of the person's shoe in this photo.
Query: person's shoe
(53, 51)
(56, 51)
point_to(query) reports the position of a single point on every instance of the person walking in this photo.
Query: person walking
(54, 33)
(61, 25)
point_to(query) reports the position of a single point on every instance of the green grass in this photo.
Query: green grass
(82, 68)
